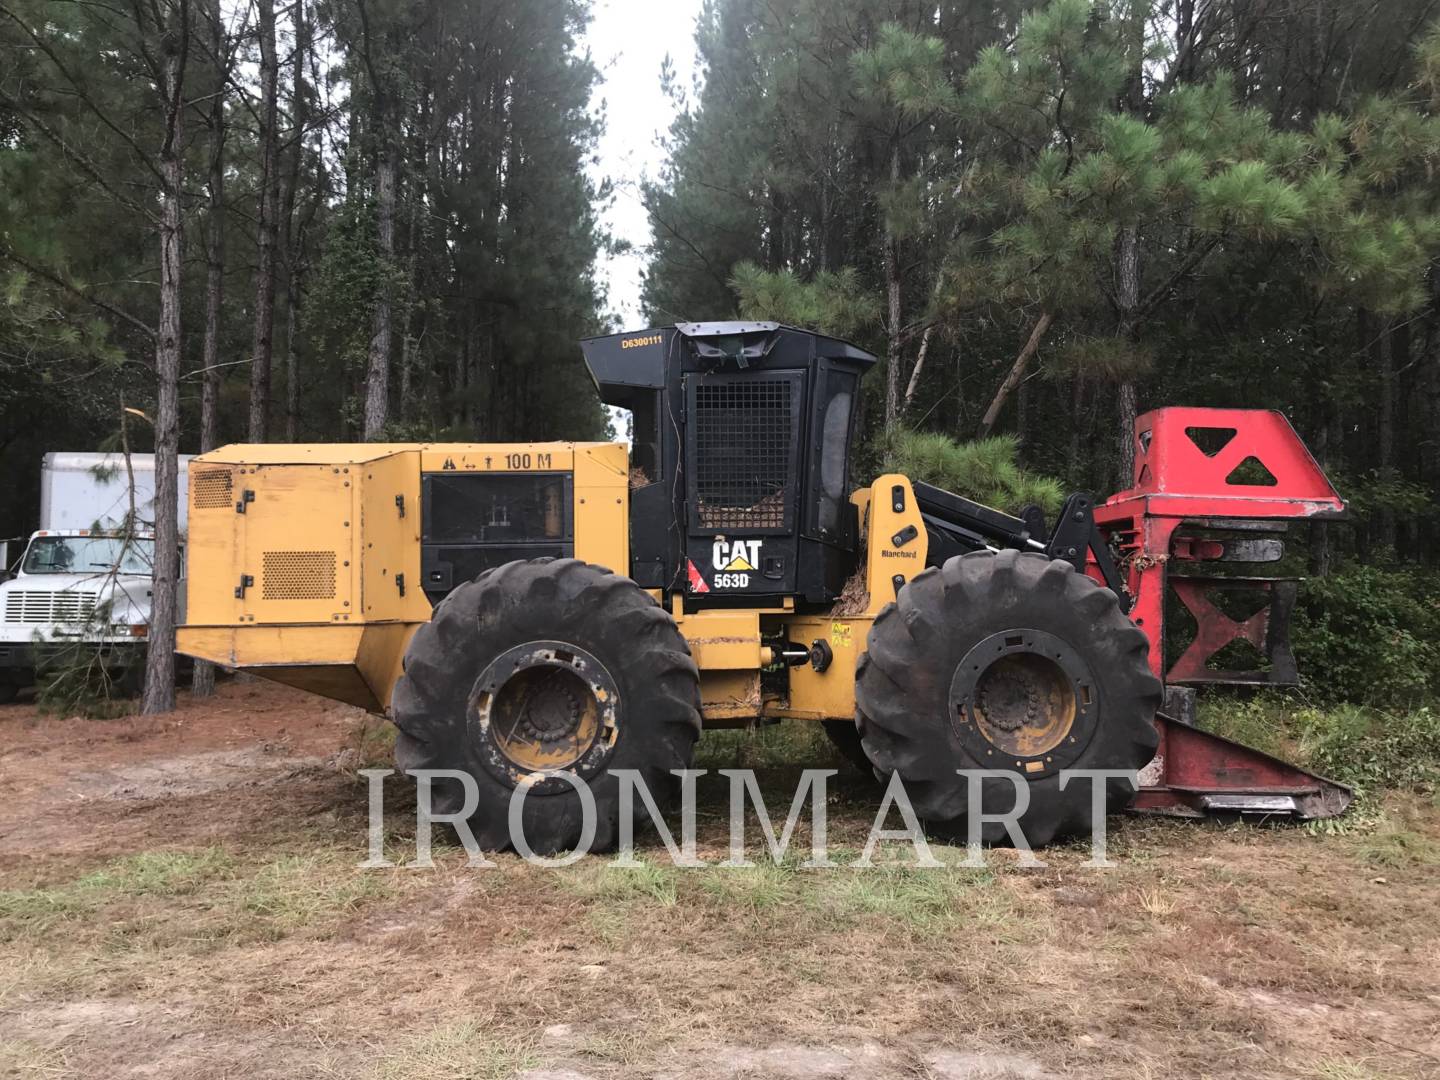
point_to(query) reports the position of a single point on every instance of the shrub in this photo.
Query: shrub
(82, 679)
(1369, 748)
(1360, 745)
(1370, 635)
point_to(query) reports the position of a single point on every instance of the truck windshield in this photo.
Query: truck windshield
(89, 555)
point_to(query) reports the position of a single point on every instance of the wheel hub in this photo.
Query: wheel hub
(1023, 699)
(1007, 699)
(545, 708)
(554, 708)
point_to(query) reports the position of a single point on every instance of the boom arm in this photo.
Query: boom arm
(957, 525)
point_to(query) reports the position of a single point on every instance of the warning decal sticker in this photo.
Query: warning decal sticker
(697, 583)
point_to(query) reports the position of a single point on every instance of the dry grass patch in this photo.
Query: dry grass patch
(22, 1058)
(461, 1049)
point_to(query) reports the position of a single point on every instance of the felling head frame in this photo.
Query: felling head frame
(1218, 486)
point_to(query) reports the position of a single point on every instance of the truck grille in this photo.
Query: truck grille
(742, 453)
(23, 606)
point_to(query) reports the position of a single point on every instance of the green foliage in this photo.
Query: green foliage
(1371, 749)
(1376, 493)
(1371, 635)
(1110, 357)
(907, 69)
(831, 303)
(78, 676)
(1368, 748)
(985, 470)
(80, 680)
(1427, 55)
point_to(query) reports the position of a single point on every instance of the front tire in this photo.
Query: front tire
(540, 668)
(1007, 661)
(844, 735)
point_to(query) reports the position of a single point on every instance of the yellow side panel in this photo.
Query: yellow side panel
(498, 457)
(258, 646)
(828, 694)
(351, 663)
(213, 543)
(248, 454)
(728, 695)
(602, 505)
(299, 543)
(338, 682)
(381, 657)
(722, 639)
(390, 522)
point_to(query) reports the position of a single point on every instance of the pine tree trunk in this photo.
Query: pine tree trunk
(214, 242)
(1077, 423)
(1127, 297)
(264, 344)
(202, 680)
(891, 257)
(292, 240)
(1016, 373)
(1385, 429)
(1430, 445)
(913, 384)
(159, 694)
(1322, 406)
(407, 309)
(1127, 254)
(295, 305)
(457, 378)
(377, 377)
(960, 402)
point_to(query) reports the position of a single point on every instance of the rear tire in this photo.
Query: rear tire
(545, 667)
(1006, 660)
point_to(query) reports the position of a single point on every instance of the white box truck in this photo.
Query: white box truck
(84, 581)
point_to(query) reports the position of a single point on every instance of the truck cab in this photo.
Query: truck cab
(74, 589)
(82, 588)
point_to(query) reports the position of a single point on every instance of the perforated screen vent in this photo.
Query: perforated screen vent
(742, 451)
(210, 489)
(298, 575)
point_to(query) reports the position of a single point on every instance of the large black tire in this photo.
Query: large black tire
(916, 692)
(845, 737)
(654, 688)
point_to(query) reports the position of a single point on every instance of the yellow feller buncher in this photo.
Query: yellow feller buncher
(524, 611)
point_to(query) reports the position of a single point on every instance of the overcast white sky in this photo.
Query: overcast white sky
(628, 40)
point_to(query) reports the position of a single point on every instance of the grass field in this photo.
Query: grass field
(182, 899)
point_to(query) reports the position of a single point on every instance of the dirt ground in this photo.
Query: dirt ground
(181, 898)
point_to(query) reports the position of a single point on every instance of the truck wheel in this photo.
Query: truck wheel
(1008, 661)
(8, 692)
(542, 668)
